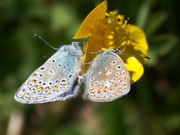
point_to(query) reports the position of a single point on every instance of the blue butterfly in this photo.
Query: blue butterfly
(56, 80)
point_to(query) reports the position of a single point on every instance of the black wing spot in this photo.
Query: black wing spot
(119, 67)
(70, 75)
(42, 68)
(63, 80)
(53, 60)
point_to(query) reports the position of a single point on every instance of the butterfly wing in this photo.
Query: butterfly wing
(56, 79)
(107, 79)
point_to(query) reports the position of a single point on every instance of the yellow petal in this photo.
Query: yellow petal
(135, 68)
(88, 57)
(97, 13)
(108, 33)
(136, 43)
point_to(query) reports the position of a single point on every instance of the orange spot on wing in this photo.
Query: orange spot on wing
(119, 90)
(91, 90)
(40, 88)
(47, 89)
(55, 88)
(33, 81)
(110, 87)
(35, 86)
(116, 84)
(34, 75)
(64, 85)
(124, 73)
(120, 78)
(99, 90)
(105, 89)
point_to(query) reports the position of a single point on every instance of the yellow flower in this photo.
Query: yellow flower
(105, 31)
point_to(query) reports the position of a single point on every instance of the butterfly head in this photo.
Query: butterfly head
(117, 50)
(73, 49)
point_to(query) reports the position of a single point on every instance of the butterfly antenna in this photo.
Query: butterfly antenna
(123, 34)
(94, 52)
(37, 36)
(118, 49)
(82, 42)
(88, 63)
(136, 56)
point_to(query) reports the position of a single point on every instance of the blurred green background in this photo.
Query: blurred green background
(151, 108)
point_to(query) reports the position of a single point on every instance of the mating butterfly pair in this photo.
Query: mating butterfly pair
(58, 78)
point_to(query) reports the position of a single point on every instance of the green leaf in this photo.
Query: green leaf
(143, 13)
(155, 22)
(160, 46)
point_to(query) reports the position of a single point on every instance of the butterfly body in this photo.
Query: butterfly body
(107, 78)
(56, 79)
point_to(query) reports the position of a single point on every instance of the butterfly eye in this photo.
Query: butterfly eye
(119, 67)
